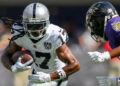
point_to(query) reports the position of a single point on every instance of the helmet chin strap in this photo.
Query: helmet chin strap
(39, 37)
(35, 38)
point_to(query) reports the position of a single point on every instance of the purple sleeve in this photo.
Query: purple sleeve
(113, 34)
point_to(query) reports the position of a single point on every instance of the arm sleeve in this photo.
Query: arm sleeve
(17, 32)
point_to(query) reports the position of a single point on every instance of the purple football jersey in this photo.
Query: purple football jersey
(113, 32)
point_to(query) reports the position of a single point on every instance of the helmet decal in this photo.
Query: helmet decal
(91, 12)
(34, 10)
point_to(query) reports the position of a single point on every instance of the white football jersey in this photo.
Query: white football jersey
(44, 51)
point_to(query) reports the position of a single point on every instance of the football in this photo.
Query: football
(26, 56)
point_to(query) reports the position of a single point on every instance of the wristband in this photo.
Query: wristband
(61, 73)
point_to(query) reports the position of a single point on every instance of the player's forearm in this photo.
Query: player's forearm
(115, 52)
(69, 69)
(65, 55)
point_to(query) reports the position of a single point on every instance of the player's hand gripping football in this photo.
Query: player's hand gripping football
(40, 77)
(98, 57)
(19, 66)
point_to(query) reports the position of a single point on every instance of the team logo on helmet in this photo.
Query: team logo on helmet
(91, 12)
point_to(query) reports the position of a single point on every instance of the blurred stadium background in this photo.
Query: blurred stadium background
(69, 14)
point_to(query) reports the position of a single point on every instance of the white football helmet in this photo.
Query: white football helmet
(35, 20)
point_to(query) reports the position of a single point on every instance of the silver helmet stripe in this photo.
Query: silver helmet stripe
(34, 10)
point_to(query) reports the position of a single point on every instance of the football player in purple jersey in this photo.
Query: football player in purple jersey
(103, 22)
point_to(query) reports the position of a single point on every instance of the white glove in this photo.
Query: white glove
(40, 77)
(98, 57)
(19, 67)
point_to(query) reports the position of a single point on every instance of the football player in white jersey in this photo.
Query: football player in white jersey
(53, 60)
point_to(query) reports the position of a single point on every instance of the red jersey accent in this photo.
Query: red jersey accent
(108, 48)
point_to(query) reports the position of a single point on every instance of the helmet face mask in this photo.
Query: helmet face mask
(35, 20)
(96, 27)
(97, 17)
(35, 31)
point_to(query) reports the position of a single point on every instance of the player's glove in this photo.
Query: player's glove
(19, 67)
(98, 57)
(40, 77)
